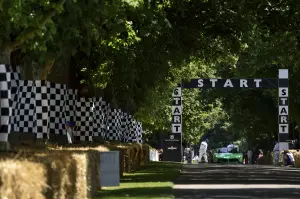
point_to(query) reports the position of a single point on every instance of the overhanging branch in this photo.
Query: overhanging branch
(30, 32)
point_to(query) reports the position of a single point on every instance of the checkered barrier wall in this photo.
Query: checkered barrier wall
(15, 85)
(131, 129)
(139, 131)
(15, 81)
(24, 118)
(123, 129)
(43, 107)
(70, 104)
(113, 125)
(100, 110)
(84, 119)
(56, 99)
(5, 101)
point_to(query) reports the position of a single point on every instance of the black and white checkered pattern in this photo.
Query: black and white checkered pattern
(139, 132)
(84, 118)
(5, 103)
(130, 129)
(25, 118)
(15, 85)
(41, 109)
(113, 125)
(133, 130)
(70, 105)
(100, 109)
(104, 109)
(56, 96)
(123, 128)
(15, 81)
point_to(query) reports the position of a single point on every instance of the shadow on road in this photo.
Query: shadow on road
(237, 181)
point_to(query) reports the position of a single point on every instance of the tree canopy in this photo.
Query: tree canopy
(135, 52)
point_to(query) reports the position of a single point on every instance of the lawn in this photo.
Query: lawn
(153, 181)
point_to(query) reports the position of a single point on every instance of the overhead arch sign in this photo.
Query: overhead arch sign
(281, 83)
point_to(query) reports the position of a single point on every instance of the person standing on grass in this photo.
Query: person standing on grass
(202, 151)
(276, 153)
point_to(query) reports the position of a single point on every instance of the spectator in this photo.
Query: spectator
(276, 153)
(202, 151)
(289, 159)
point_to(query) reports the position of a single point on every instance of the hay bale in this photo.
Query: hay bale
(88, 164)
(81, 187)
(72, 172)
(22, 179)
(61, 173)
(296, 154)
(146, 153)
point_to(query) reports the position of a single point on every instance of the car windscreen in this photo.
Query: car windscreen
(225, 150)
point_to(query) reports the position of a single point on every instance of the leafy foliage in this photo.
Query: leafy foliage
(137, 51)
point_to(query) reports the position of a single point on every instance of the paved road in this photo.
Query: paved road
(213, 181)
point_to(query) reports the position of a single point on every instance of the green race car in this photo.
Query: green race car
(222, 155)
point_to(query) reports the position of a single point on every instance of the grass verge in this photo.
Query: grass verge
(153, 181)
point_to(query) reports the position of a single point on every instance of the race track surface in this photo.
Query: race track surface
(211, 181)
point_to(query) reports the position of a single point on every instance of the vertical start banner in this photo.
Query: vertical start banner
(173, 142)
(177, 110)
(283, 109)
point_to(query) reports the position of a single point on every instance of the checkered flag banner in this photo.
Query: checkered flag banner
(113, 125)
(24, 118)
(70, 105)
(100, 109)
(139, 132)
(15, 81)
(5, 103)
(43, 107)
(130, 129)
(123, 128)
(56, 99)
(15, 85)
(84, 118)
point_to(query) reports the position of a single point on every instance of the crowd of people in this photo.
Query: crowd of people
(250, 156)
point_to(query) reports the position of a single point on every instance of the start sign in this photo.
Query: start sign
(281, 83)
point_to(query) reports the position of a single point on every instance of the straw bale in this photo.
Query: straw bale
(22, 179)
(88, 173)
(296, 154)
(81, 187)
(79, 148)
(61, 173)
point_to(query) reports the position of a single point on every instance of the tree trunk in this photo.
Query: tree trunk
(5, 53)
(48, 66)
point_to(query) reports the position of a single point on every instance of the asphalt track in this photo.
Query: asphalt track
(211, 181)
